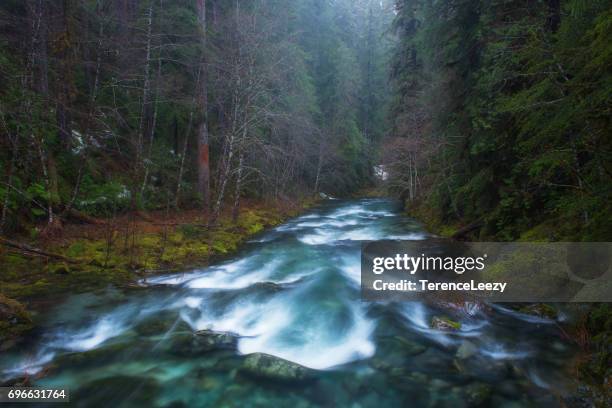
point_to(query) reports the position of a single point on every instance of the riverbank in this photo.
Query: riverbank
(591, 328)
(83, 257)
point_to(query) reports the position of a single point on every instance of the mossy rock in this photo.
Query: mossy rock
(444, 324)
(210, 339)
(540, 310)
(14, 322)
(187, 343)
(10, 309)
(275, 368)
(466, 350)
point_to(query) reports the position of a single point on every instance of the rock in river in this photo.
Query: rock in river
(210, 339)
(466, 350)
(445, 324)
(275, 368)
(203, 341)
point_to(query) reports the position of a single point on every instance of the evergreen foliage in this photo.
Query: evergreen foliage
(514, 103)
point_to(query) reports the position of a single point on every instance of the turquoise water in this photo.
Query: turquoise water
(292, 293)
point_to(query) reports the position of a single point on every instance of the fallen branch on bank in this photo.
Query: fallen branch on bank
(35, 251)
(467, 229)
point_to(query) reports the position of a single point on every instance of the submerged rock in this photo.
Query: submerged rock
(466, 350)
(161, 324)
(271, 286)
(409, 347)
(445, 324)
(275, 368)
(476, 394)
(540, 310)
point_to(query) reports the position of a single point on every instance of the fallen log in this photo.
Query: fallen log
(39, 252)
(467, 229)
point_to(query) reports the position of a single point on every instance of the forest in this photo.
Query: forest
(501, 117)
(110, 106)
(185, 187)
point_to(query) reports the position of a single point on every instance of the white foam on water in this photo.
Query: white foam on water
(169, 280)
(317, 350)
(523, 316)
(244, 318)
(350, 210)
(193, 302)
(228, 278)
(406, 237)
(417, 315)
(29, 366)
(319, 237)
(351, 268)
(361, 234)
(499, 352)
(90, 338)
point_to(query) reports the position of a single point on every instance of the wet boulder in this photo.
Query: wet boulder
(466, 350)
(275, 368)
(186, 343)
(444, 324)
(541, 310)
(14, 322)
(214, 340)
(160, 324)
(267, 286)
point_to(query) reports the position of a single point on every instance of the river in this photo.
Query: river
(292, 292)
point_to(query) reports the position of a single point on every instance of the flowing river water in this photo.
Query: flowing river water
(292, 293)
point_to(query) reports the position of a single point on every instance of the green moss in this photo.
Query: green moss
(225, 241)
(597, 364)
(539, 309)
(14, 320)
(444, 323)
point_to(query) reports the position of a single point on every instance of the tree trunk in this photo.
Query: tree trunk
(185, 144)
(203, 137)
(145, 91)
(227, 164)
(152, 127)
(11, 169)
(237, 192)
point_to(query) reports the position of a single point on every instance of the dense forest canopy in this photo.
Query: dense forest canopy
(502, 115)
(492, 113)
(109, 105)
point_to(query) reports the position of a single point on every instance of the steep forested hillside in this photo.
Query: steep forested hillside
(502, 116)
(112, 105)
